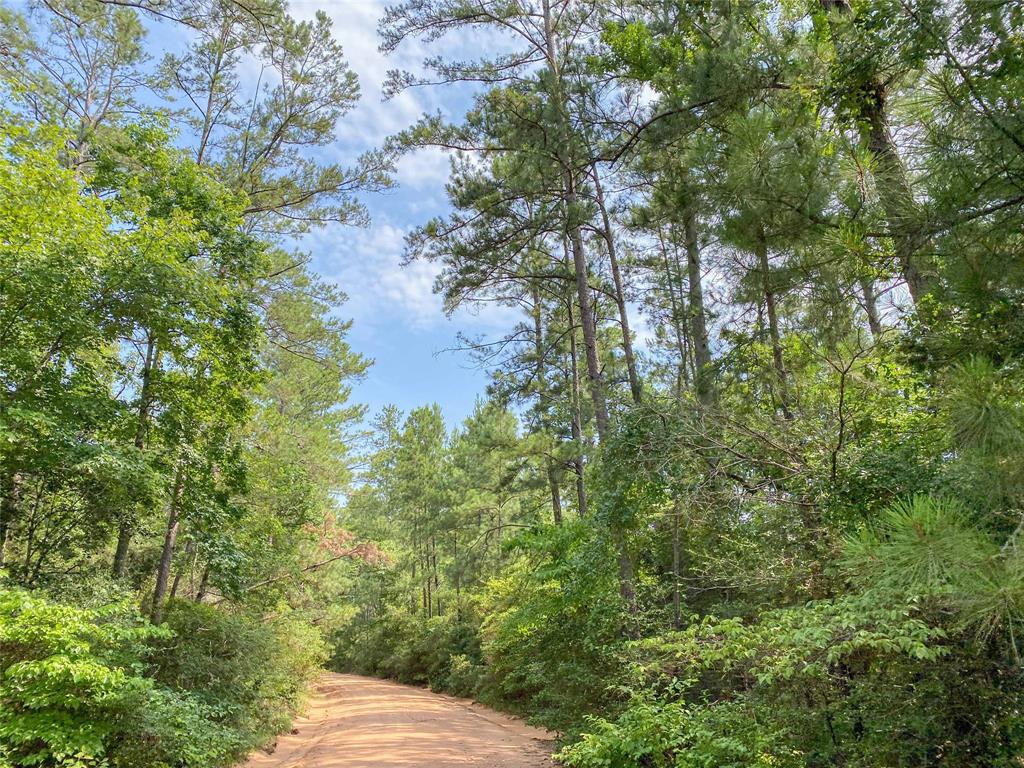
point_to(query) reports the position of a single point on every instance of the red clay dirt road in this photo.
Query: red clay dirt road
(361, 722)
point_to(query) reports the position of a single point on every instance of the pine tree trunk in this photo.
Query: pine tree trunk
(698, 317)
(582, 286)
(594, 376)
(620, 294)
(677, 310)
(577, 415)
(761, 247)
(867, 287)
(542, 398)
(437, 577)
(894, 190)
(573, 229)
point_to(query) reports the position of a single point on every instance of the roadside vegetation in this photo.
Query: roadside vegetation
(746, 487)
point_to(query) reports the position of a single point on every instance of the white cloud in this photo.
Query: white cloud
(640, 327)
(367, 263)
(424, 169)
(355, 27)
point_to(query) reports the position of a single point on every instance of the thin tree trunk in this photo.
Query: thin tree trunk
(208, 117)
(124, 534)
(620, 294)
(761, 247)
(437, 578)
(626, 572)
(190, 548)
(675, 302)
(428, 594)
(542, 398)
(163, 573)
(594, 376)
(676, 602)
(204, 584)
(579, 261)
(556, 495)
(8, 511)
(457, 574)
(413, 597)
(577, 416)
(571, 206)
(30, 534)
(867, 287)
(698, 316)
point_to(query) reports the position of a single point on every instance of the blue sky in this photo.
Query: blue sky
(397, 319)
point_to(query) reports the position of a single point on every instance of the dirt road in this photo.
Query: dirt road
(361, 722)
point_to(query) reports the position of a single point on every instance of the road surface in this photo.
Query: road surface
(361, 722)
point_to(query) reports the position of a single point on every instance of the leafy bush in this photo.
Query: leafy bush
(861, 680)
(249, 675)
(442, 651)
(102, 688)
(660, 733)
(553, 637)
(68, 680)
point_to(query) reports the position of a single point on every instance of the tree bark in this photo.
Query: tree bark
(676, 602)
(190, 549)
(573, 229)
(676, 308)
(620, 294)
(594, 376)
(698, 317)
(761, 248)
(894, 190)
(577, 415)
(204, 584)
(8, 511)
(579, 260)
(163, 573)
(542, 404)
(867, 287)
(124, 534)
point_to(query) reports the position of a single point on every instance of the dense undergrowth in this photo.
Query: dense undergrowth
(91, 682)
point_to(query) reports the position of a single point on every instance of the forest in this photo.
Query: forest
(745, 488)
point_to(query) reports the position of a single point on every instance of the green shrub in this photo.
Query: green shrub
(553, 638)
(442, 651)
(68, 679)
(465, 677)
(103, 688)
(162, 728)
(658, 733)
(249, 675)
